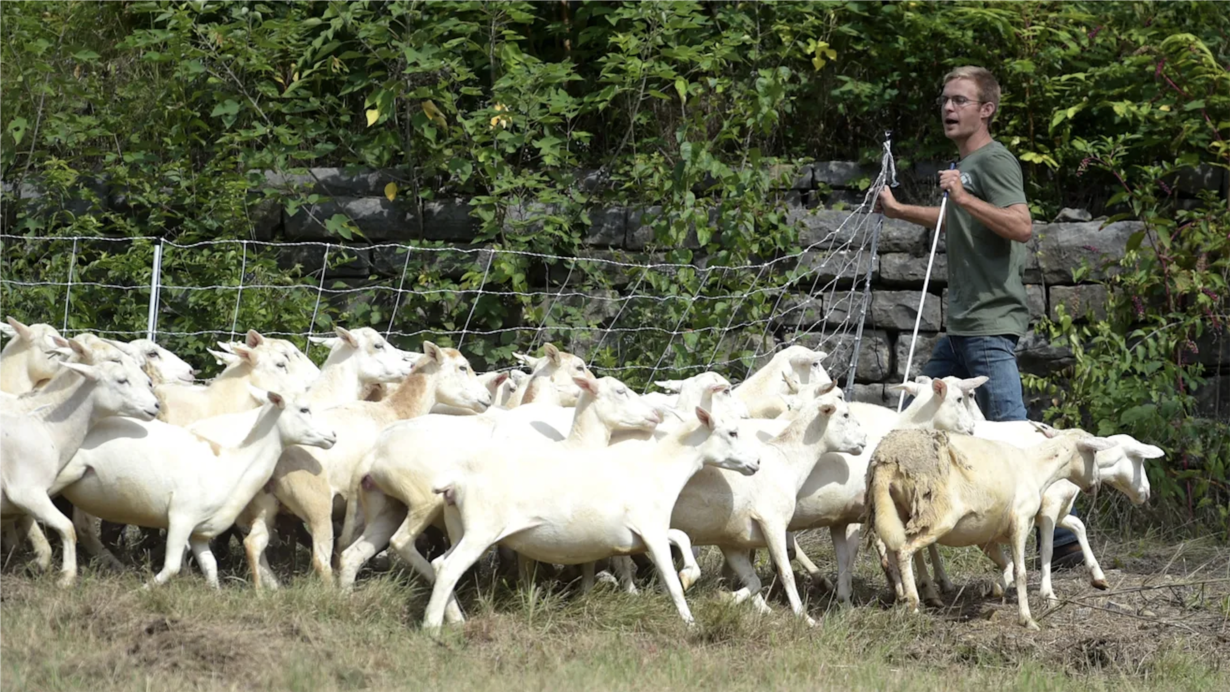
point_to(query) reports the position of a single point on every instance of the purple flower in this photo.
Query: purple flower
(1140, 306)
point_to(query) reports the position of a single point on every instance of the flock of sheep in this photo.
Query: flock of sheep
(554, 465)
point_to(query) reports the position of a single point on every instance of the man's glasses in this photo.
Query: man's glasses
(957, 101)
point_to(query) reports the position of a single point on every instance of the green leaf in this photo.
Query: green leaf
(681, 86)
(17, 128)
(86, 56)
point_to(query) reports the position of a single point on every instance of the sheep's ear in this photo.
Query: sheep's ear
(222, 358)
(254, 339)
(969, 385)
(827, 409)
(126, 348)
(719, 388)
(825, 388)
(327, 341)
(245, 353)
(705, 417)
(1144, 451)
(821, 355)
(1045, 429)
(276, 399)
(911, 388)
(553, 353)
(260, 395)
(81, 351)
(672, 386)
(521, 358)
(433, 352)
(587, 384)
(20, 329)
(1094, 444)
(940, 387)
(7, 330)
(501, 378)
(58, 341)
(792, 382)
(347, 337)
(86, 371)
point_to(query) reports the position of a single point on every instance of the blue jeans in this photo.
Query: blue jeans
(1001, 397)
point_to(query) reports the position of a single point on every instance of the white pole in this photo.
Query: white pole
(155, 282)
(935, 242)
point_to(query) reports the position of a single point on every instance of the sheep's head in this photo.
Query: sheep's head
(296, 423)
(561, 367)
(43, 362)
(1120, 464)
(941, 404)
(807, 366)
(160, 364)
(121, 388)
(272, 366)
(725, 448)
(375, 359)
(455, 381)
(618, 407)
(829, 410)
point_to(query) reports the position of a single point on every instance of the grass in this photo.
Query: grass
(109, 634)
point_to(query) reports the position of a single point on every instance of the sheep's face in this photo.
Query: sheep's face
(378, 360)
(121, 388)
(456, 383)
(806, 366)
(161, 365)
(947, 402)
(725, 447)
(721, 399)
(296, 423)
(43, 361)
(842, 433)
(302, 370)
(618, 407)
(561, 369)
(1123, 467)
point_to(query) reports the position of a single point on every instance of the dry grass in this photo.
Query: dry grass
(108, 634)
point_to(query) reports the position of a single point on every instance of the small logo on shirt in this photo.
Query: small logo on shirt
(966, 180)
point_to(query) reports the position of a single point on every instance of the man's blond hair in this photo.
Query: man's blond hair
(988, 86)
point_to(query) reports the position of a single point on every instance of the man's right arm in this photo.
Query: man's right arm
(922, 216)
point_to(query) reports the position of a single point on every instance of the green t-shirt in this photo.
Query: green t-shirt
(986, 294)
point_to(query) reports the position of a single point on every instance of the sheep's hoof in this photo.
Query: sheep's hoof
(1100, 584)
(1052, 601)
(934, 601)
(66, 581)
(947, 587)
(688, 576)
(1030, 625)
(811, 622)
(821, 582)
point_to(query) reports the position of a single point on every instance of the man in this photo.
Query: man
(987, 222)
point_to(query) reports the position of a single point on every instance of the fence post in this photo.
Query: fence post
(155, 282)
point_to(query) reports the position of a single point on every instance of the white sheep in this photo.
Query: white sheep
(763, 392)
(162, 476)
(306, 482)
(42, 430)
(405, 458)
(567, 507)
(265, 363)
(739, 513)
(28, 360)
(556, 368)
(931, 486)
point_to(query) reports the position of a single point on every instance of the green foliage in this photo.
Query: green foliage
(1135, 372)
(154, 119)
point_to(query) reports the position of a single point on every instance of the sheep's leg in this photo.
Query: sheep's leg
(38, 505)
(999, 586)
(449, 569)
(205, 559)
(813, 572)
(27, 527)
(929, 595)
(380, 522)
(905, 567)
(87, 528)
(1018, 559)
(257, 515)
(177, 541)
(845, 548)
(587, 577)
(659, 549)
(742, 567)
(310, 498)
(691, 570)
(888, 564)
(937, 566)
(625, 570)
(1046, 550)
(349, 525)
(1076, 526)
(775, 538)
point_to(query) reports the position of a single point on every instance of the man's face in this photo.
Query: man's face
(960, 122)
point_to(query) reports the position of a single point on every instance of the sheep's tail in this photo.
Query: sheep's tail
(884, 511)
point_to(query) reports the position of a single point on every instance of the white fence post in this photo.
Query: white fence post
(155, 283)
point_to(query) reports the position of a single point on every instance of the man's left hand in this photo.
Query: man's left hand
(950, 181)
